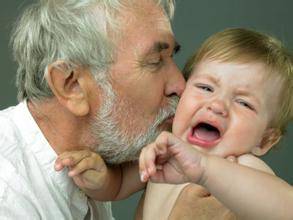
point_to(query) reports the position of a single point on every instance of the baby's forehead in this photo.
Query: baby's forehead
(252, 72)
(202, 67)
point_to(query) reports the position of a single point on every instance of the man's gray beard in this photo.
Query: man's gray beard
(116, 145)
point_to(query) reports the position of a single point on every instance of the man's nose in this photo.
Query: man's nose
(175, 84)
(218, 107)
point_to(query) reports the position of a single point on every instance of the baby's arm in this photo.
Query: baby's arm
(249, 193)
(98, 181)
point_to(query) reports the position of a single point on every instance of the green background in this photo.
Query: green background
(194, 21)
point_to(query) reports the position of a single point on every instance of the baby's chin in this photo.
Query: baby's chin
(214, 151)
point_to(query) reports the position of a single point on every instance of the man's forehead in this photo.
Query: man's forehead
(147, 32)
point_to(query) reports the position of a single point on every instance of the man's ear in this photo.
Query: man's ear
(270, 138)
(68, 85)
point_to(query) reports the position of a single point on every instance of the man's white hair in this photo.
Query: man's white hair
(74, 31)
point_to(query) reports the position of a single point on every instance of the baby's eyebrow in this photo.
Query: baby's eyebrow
(209, 77)
(247, 93)
(244, 92)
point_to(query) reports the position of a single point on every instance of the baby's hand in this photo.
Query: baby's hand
(87, 168)
(170, 160)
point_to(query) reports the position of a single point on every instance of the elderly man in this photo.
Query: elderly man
(90, 73)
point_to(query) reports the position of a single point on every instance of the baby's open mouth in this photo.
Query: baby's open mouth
(204, 135)
(206, 132)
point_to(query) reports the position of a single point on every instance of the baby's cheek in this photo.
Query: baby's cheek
(232, 150)
(179, 125)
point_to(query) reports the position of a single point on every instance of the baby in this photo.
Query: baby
(238, 100)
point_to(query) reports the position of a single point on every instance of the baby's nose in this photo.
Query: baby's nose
(218, 107)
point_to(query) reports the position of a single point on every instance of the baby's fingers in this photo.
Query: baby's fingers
(71, 158)
(89, 163)
(147, 162)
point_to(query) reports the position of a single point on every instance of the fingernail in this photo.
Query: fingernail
(232, 159)
(71, 173)
(142, 176)
(57, 166)
(159, 167)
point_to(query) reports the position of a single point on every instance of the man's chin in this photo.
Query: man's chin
(115, 152)
(118, 160)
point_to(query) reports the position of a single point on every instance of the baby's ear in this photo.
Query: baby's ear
(270, 138)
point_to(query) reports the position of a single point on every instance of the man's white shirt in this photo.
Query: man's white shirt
(30, 188)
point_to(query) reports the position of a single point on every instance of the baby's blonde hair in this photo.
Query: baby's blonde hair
(244, 46)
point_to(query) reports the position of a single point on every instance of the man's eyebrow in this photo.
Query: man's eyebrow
(160, 46)
(177, 47)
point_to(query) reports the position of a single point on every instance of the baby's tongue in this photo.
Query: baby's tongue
(206, 134)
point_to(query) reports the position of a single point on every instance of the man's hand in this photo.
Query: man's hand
(170, 160)
(86, 168)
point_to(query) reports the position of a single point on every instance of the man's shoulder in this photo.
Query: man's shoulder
(11, 145)
(10, 137)
(12, 182)
(16, 200)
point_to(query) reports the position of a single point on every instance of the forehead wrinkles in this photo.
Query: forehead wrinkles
(143, 21)
(146, 14)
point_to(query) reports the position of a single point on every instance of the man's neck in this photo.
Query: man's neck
(63, 130)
